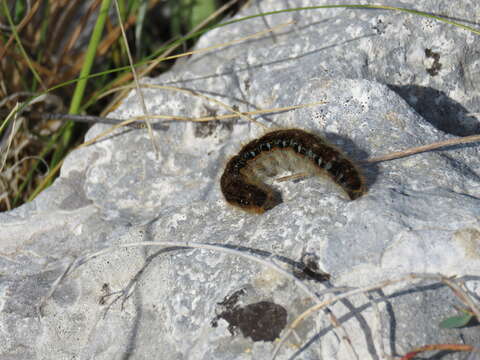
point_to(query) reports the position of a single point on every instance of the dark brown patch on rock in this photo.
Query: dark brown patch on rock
(262, 321)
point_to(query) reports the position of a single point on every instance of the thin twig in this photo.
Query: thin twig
(136, 121)
(424, 148)
(9, 28)
(89, 119)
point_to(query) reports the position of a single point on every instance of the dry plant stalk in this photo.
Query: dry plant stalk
(141, 98)
(457, 290)
(163, 56)
(135, 120)
(77, 262)
(436, 347)
(424, 148)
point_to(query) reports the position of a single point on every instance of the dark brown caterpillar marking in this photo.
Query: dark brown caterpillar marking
(242, 186)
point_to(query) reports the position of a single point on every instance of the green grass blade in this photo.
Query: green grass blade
(139, 25)
(83, 77)
(65, 133)
(19, 42)
(89, 57)
(375, 7)
(456, 321)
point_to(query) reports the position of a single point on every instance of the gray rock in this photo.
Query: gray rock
(421, 213)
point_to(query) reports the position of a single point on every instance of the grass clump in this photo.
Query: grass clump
(60, 57)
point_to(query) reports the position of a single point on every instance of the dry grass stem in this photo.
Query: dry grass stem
(141, 99)
(152, 65)
(70, 43)
(17, 163)
(424, 148)
(229, 43)
(136, 119)
(14, 116)
(208, 98)
(440, 347)
(163, 56)
(463, 296)
(235, 113)
(188, 53)
(23, 23)
(232, 116)
(345, 339)
(291, 177)
(337, 326)
(407, 278)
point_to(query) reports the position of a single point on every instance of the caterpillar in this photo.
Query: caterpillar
(292, 149)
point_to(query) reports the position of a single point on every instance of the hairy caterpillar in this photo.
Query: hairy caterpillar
(242, 184)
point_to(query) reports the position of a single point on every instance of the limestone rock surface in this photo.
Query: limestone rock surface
(388, 81)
